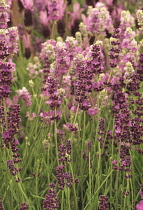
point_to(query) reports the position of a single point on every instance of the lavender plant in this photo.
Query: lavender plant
(71, 105)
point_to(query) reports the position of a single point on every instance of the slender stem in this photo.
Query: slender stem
(53, 33)
(99, 188)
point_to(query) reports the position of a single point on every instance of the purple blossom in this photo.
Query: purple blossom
(115, 48)
(40, 5)
(63, 178)
(51, 202)
(103, 203)
(93, 111)
(25, 95)
(13, 40)
(70, 127)
(23, 206)
(4, 16)
(55, 9)
(64, 152)
(50, 116)
(98, 20)
(1, 206)
(62, 58)
(97, 59)
(89, 145)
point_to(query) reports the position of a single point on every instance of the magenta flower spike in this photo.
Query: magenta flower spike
(139, 206)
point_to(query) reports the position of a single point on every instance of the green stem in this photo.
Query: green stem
(53, 33)
(98, 189)
(75, 194)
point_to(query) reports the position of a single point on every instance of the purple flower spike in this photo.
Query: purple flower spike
(51, 201)
(93, 111)
(103, 203)
(1, 207)
(4, 16)
(55, 9)
(98, 20)
(13, 40)
(23, 206)
(28, 6)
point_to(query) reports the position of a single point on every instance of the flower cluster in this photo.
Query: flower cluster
(23, 206)
(28, 7)
(4, 15)
(50, 116)
(63, 178)
(115, 48)
(101, 132)
(70, 127)
(55, 9)
(99, 20)
(103, 203)
(34, 69)
(10, 117)
(64, 152)
(51, 202)
(140, 19)
(1, 206)
(97, 58)
(25, 95)
(11, 128)
(8, 45)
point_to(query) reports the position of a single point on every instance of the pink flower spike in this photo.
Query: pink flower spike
(43, 17)
(109, 2)
(75, 15)
(93, 111)
(139, 206)
(28, 4)
(114, 162)
(62, 7)
(85, 19)
(26, 40)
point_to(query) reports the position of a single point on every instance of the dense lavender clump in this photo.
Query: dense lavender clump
(76, 69)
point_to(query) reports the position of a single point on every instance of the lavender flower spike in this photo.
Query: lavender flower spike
(55, 9)
(28, 6)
